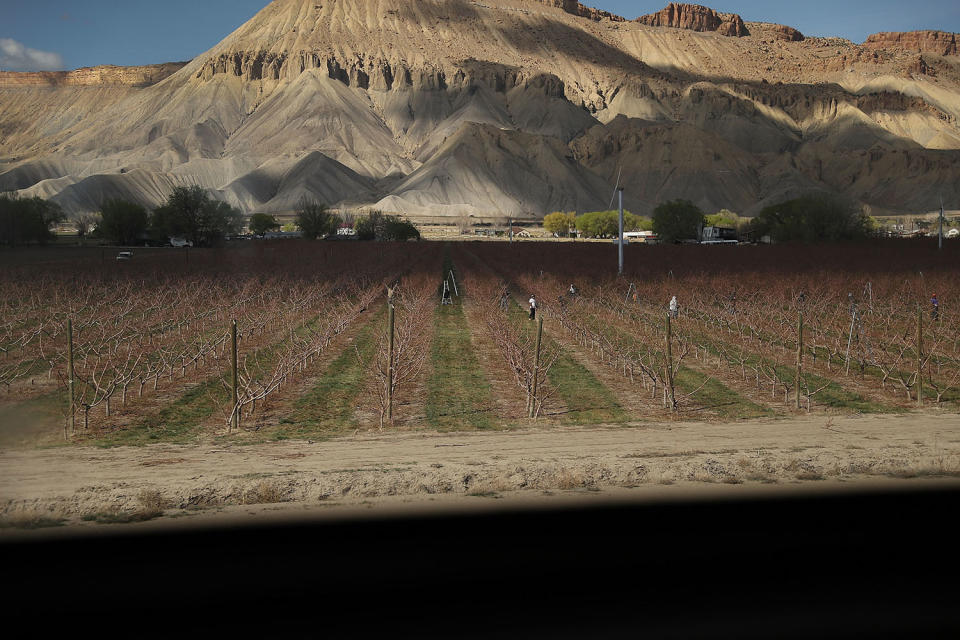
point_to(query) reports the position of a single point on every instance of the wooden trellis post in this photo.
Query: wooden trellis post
(390, 363)
(799, 353)
(235, 419)
(673, 397)
(536, 369)
(71, 381)
(919, 356)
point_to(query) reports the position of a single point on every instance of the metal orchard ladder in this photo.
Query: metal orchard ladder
(446, 298)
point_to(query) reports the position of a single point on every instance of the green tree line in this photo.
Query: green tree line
(816, 217)
(190, 213)
(595, 224)
(27, 220)
(316, 220)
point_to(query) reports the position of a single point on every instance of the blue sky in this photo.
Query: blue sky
(36, 34)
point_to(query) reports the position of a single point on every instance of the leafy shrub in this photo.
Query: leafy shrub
(192, 214)
(261, 223)
(27, 220)
(316, 220)
(606, 224)
(384, 228)
(560, 223)
(812, 218)
(122, 222)
(677, 220)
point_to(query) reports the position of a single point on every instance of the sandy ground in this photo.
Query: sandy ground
(85, 487)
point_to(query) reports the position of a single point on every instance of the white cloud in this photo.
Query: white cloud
(16, 57)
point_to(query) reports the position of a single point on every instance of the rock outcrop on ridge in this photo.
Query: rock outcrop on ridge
(577, 9)
(783, 32)
(696, 17)
(937, 43)
(437, 108)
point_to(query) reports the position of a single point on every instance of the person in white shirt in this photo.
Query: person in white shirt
(533, 308)
(674, 307)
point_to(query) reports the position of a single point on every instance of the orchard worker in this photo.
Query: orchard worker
(533, 307)
(572, 291)
(935, 307)
(674, 307)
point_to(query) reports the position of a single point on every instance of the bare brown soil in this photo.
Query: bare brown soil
(370, 469)
(508, 398)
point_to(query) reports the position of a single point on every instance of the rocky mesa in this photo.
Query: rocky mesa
(107, 75)
(938, 43)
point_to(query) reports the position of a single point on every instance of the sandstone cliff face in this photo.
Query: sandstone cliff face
(575, 8)
(105, 76)
(696, 18)
(937, 43)
(378, 73)
(247, 65)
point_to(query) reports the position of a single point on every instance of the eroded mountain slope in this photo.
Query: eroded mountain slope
(519, 107)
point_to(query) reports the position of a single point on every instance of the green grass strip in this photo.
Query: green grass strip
(588, 400)
(328, 408)
(459, 396)
(179, 422)
(834, 395)
(717, 397)
(838, 397)
(712, 394)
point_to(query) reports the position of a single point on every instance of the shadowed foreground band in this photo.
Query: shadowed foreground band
(876, 564)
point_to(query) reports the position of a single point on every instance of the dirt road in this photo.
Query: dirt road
(87, 486)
